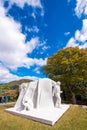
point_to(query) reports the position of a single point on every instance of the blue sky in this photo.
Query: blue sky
(33, 30)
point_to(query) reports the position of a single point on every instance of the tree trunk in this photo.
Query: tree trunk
(73, 95)
(73, 98)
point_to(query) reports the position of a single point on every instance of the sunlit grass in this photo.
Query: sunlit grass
(74, 119)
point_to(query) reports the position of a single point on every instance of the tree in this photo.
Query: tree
(69, 66)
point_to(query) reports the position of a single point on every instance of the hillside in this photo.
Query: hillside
(12, 88)
(15, 83)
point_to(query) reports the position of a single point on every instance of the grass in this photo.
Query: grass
(74, 119)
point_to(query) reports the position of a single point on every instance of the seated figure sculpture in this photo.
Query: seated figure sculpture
(28, 99)
(28, 104)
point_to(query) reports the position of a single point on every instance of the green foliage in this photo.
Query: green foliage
(69, 66)
(12, 89)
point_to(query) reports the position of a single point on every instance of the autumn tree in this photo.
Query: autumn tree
(69, 66)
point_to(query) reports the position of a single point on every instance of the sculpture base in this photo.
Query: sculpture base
(48, 116)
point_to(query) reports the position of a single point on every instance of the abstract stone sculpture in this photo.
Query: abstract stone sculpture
(40, 100)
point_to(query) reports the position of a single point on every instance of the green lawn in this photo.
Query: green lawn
(74, 119)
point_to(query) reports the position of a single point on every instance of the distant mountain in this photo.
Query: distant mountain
(11, 89)
(14, 84)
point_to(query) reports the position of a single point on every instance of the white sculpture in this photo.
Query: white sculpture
(22, 90)
(28, 104)
(32, 94)
(56, 93)
(29, 97)
(40, 100)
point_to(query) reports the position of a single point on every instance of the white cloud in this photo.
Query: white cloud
(33, 15)
(37, 70)
(32, 3)
(13, 48)
(45, 48)
(72, 43)
(6, 76)
(30, 62)
(84, 46)
(81, 35)
(68, 1)
(40, 62)
(77, 35)
(80, 38)
(81, 7)
(33, 29)
(66, 33)
(21, 3)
